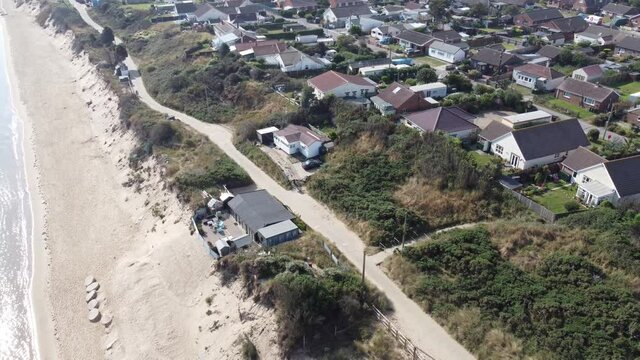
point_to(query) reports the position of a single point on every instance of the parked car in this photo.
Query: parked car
(311, 164)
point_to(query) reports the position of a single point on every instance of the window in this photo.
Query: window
(589, 101)
(585, 179)
(566, 94)
(499, 149)
(579, 77)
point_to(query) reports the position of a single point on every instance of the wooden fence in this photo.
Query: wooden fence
(413, 352)
(212, 253)
(543, 212)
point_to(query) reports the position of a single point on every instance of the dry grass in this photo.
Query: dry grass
(440, 208)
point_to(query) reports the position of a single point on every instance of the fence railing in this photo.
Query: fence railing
(542, 211)
(212, 253)
(413, 352)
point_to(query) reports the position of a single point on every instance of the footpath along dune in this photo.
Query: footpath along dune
(154, 277)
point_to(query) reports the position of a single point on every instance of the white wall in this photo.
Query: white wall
(544, 160)
(523, 79)
(312, 151)
(341, 91)
(464, 134)
(444, 56)
(282, 144)
(509, 146)
(598, 173)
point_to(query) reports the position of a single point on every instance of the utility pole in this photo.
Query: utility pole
(606, 125)
(364, 261)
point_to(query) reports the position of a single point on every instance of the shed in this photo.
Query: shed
(223, 247)
(278, 233)
(265, 136)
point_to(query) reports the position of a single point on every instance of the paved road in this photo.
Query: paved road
(423, 331)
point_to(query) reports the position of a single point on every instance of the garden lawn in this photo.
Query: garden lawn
(572, 109)
(433, 62)
(481, 159)
(628, 89)
(554, 200)
(509, 46)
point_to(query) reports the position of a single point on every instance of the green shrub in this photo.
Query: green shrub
(249, 351)
(571, 206)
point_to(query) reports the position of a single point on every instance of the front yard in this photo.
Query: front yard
(433, 62)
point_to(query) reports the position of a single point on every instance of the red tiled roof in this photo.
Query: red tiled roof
(332, 79)
(403, 98)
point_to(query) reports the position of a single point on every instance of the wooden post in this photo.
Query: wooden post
(364, 261)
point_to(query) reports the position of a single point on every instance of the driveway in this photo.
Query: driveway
(418, 326)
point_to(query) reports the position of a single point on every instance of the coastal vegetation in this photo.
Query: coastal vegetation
(514, 289)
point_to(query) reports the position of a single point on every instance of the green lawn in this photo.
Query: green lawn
(430, 61)
(481, 159)
(521, 89)
(509, 46)
(567, 69)
(140, 7)
(628, 89)
(573, 110)
(554, 200)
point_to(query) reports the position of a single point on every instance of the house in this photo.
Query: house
(257, 212)
(526, 119)
(537, 77)
(590, 6)
(386, 31)
(493, 62)
(452, 121)
(617, 181)
(336, 17)
(446, 52)
(448, 37)
(267, 50)
(587, 95)
(207, 12)
(295, 139)
(341, 85)
(436, 90)
(634, 22)
(628, 46)
(390, 10)
(185, 8)
(293, 60)
(555, 38)
(534, 18)
(365, 23)
(417, 41)
(355, 66)
(398, 99)
(633, 116)
(591, 73)
(550, 52)
(598, 35)
(345, 3)
(614, 9)
(560, 4)
(533, 146)
(566, 26)
(579, 160)
(299, 5)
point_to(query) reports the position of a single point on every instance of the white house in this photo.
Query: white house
(336, 17)
(446, 52)
(591, 73)
(533, 146)
(298, 139)
(342, 85)
(537, 77)
(433, 90)
(365, 23)
(617, 181)
(386, 31)
(579, 161)
(598, 35)
(293, 60)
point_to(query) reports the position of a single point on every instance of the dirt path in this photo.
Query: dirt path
(423, 330)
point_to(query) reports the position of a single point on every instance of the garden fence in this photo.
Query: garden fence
(542, 211)
(413, 352)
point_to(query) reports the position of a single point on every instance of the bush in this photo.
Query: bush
(593, 135)
(571, 206)
(249, 351)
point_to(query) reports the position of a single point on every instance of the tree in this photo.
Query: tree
(120, 52)
(426, 75)
(355, 30)
(438, 8)
(593, 135)
(223, 50)
(107, 37)
(478, 10)
(306, 97)
(459, 82)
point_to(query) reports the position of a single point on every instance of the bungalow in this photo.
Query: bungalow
(617, 181)
(207, 12)
(550, 52)
(566, 26)
(436, 90)
(580, 160)
(493, 62)
(390, 10)
(555, 38)
(533, 146)
(589, 6)
(386, 31)
(598, 35)
(537, 77)
(532, 19)
(449, 36)
(614, 9)
(296, 139)
(293, 60)
(628, 46)
(418, 41)
(587, 95)
(452, 121)
(263, 217)
(398, 99)
(341, 85)
(299, 5)
(633, 116)
(365, 23)
(446, 52)
(267, 50)
(591, 73)
(337, 17)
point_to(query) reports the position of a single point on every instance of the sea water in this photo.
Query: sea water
(16, 315)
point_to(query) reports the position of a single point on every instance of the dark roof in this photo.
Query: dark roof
(258, 209)
(620, 9)
(582, 158)
(585, 89)
(574, 24)
(543, 14)
(401, 97)
(630, 43)
(295, 133)
(331, 79)
(551, 138)
(495, 57)
(494, 130)
(451, 119)
(252, 9)
(414, 37)
(447, 36)
(625, 174)
(245, 17)
(346, 11)
(520, 3)
(203, 9)
(185, 7)
(549, 51)
(540, 71)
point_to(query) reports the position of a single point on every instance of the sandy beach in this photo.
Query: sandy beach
(154, 276)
